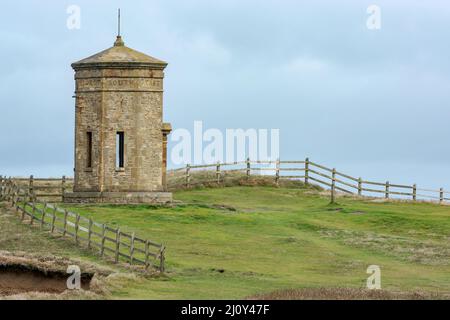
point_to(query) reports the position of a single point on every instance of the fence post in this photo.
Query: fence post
(248, 168)
(414, 192)
(146, 255)
(65, 223)
(161, 259)
(277, 172)
(5, 187)
(218, 174)
(132, 248)
(53, 219)
(14, 197)
(24, 201)
(31, 188)
(333, 185)
(77, 226)
(188, 176)
(43, 215)
(359, 186)
(17, 197)
(13, 188)
(10, 189)
(1, 186)
(89, 233)
(6, 190)
(33, 213)
(441, 195)
(102, 248)
(24, 208)
(306, 171)
(3, 195)
(63, 187)
(386, 193)
(117, 245)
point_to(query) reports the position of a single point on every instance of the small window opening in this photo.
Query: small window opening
(89, 150)
(120, 141)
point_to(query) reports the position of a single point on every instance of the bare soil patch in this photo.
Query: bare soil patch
(22, 273)
(16, 279)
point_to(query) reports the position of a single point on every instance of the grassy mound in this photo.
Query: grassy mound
(176, 180)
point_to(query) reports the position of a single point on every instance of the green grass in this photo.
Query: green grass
(239, 241)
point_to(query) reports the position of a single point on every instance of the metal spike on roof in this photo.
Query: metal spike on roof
(119, 42)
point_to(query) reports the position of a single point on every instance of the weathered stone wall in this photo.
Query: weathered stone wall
(112, 100)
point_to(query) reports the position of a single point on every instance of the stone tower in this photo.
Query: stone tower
(120, 137)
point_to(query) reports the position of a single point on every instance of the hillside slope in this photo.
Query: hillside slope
(236, 242)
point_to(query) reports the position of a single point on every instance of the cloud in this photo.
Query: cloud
(310, 68)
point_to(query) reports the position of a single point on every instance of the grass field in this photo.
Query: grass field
(237, 242)
(240, 241)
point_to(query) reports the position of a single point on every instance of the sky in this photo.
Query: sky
(372, 103)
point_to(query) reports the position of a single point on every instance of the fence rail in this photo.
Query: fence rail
(108, 241)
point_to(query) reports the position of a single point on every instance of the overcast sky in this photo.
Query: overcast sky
(373, 103)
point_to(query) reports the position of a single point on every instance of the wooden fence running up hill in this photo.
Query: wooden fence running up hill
(108, 241)
(219, 173)
(306, 171)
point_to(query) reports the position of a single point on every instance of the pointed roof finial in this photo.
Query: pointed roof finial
(119, 42)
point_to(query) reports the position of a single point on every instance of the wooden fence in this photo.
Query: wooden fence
(219, 173)
(108, 241)
(48, 189)
(306, 171)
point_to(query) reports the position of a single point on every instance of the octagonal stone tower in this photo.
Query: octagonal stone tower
(120, 137)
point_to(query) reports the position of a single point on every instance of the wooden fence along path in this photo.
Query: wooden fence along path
(109, 242)
(307, 171)
(218, 173)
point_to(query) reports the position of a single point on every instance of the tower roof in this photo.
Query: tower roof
(120, 56)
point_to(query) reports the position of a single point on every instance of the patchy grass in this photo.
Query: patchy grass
(345, 294)
(242, 241)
